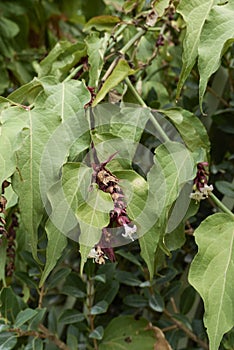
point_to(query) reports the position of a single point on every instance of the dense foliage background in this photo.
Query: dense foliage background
(60, 59)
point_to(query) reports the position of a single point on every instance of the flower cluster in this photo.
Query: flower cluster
(201, 189)
(107, 182)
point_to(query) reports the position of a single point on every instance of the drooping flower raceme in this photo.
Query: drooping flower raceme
(201, 189)
(108, 182)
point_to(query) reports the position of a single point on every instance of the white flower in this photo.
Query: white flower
(129, 231)
(202, 194)
(206, 190)
(98, 255)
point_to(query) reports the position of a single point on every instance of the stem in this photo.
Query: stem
(132, 41)
(187, 331)
(89, 303)
(220, 205)
(43, 334)
(41, 295)
(73, 73)
(143, 104)
(122, 52)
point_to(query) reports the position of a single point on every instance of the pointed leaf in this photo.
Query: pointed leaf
(105, 22)
(64, 56)
(57, 242)
(172, 169)
(7, 341)
(24, 316)
(66, 98)
(211, 274)
(99, 308)
(191, 130)
(160, 6)
(12, 121)
(71, 316)
(195, 13)
(96, 48)
(218, 36)
(97, 333)
(119, 73)
(41, 123)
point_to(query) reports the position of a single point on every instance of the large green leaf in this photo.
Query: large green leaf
(12, 121)
(93, 215)
(211, 274)
(218, 36)
(195, 13)
(119, 73)
(209, 25)
(67, 195)
(65, 98)
(96, 48)
(61, 59)
(173, 168)
(56, 244)
(126, 333)
(191, 130)
(62, 101)
(41, 124)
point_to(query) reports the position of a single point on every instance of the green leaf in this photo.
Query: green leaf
(218, 35)
(12, 121)
(93, 215)
(99, 308)
(130, 122)
(7, 341)
(26, 93)
(37, 319)
(71, 316)
(41, 124)
(97, 333)
(187, 299)
(96, 48)
(195, 14)
(9, 306)
(66, 98)
(160, 6)
(173, 168)
(56, 244)
(135, 300)
(3, 248)
(226, 188)
(156, 302)
(102, 23)
(215, 263)
(119, 73)
(58, 276)
(61, 59)
(191, 130)
(24, 316)
(126, 333)
(8, 28)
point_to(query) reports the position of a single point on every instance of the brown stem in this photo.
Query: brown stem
(44, 334)
(41, 295)
(90, 297)
(187, 331)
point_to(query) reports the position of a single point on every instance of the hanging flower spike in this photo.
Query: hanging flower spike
(201, 189)
(108, 182)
